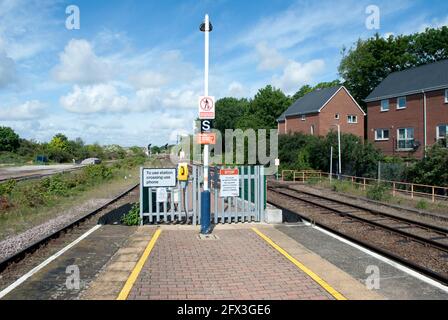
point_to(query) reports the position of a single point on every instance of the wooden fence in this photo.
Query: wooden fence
(396, 187)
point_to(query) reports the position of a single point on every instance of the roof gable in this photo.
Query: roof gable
(314, 102)
(310, 103)
(428, 77)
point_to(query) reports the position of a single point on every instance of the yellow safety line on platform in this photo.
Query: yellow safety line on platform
(138, 267)
(302, 267)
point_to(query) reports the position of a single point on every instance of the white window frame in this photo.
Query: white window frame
(446, 95)
(388, 105)
(382, 138)
(337, 116)
(303, 117)
(398, 103)
(405, 139)
(438, 131)
(351, 117)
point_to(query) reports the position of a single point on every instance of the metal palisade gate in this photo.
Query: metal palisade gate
(181, 203)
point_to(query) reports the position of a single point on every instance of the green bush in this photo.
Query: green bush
(378, 192)
(57, 185)
(422, 205)
(97, 172)
(341, 186)
(33, 195)
(132, 218)
(7, 187)
(312, 181)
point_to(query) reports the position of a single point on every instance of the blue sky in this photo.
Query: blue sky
(133, 71)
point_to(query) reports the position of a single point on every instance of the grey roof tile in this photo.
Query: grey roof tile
(428, 77)
(310, 103)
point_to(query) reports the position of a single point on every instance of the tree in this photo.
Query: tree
(9, 140)
(370, 61)
(301, 151)
(228, 112)
(307, 88)
(304, 90)
(433, 169)
(268, 104)
(59, 142)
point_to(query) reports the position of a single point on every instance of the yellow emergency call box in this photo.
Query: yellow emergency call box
(182, 172)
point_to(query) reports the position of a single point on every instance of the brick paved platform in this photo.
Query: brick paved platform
(239, 265)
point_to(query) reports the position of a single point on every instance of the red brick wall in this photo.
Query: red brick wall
(436, 113)
(281, 128)
(323, 122)
(411, 117)
(344, 105)
(296, 124)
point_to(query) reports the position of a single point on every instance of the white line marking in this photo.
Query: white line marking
(388, 261)
(33, 271)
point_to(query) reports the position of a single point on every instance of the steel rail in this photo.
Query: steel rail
(388, 254)
(16, 257)
(420, 239)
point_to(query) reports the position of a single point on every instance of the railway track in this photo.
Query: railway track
(418, 245)
(15, 265)
(40, 175)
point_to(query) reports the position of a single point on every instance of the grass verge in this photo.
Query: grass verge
(380, 193)
(31, 203)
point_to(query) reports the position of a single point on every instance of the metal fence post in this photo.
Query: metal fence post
(141, 196)
(433, 194)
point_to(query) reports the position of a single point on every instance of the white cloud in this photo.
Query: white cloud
(96, 98)
(7, 70)
(148, 79)
(236, 90)
(181, 99)
(270, 58)
(25, 28)
(79, 64)
(297, 74)
(26, 111)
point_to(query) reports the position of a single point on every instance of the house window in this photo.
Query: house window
(303, 117)
(446, 96)
(405, 139)
(401, 103)
(385, 105)
(381, 134)
(312, 130)
(352, 119)
(442, 131)
(336, 116)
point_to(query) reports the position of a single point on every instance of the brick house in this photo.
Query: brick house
(408, 111)
(319, 111)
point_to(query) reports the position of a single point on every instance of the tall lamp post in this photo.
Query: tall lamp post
(339, 150)
(206, 27)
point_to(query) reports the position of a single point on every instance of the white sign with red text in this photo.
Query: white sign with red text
(230, 183)
(207, 108)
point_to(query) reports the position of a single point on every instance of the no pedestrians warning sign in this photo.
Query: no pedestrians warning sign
(207, 108)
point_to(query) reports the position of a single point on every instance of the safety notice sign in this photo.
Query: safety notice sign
(159, 178)
(206, 108)
(230, 183)
(162, 195)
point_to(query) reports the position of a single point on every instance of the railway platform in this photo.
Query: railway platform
(239, 262)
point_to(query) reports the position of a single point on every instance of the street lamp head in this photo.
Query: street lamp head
(202, 27)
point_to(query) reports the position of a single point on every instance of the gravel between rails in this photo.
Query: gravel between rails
(16, 243)
(420, 254)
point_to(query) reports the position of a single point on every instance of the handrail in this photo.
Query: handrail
(414, 189)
